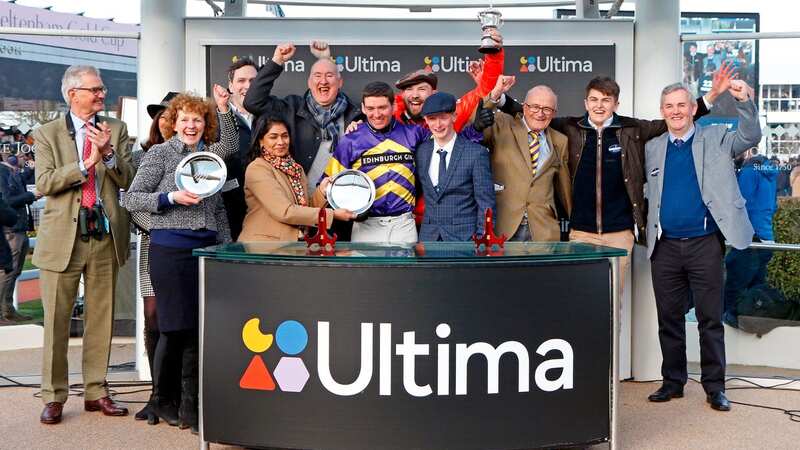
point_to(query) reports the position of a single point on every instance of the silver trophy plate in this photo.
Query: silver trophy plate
(201, 173)
(351, 189)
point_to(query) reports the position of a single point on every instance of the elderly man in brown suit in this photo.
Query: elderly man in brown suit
(82, 162)
(529, 165)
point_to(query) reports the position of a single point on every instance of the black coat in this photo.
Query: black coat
(8, 217)
(17, 196)
(235, 206)
(305, 133)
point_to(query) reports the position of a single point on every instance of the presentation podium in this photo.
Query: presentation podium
(426, 346)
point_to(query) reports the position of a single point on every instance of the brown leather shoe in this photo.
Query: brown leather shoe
(105, 404)
(52, 413)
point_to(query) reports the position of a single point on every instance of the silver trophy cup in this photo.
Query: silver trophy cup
(491, 19)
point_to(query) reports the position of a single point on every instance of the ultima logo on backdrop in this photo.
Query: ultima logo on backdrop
(444, 63)
(292, 375)
(554, 64)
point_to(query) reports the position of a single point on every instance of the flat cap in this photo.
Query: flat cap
(440, 102)
(416, 77)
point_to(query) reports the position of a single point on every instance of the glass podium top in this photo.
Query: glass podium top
(450, 252)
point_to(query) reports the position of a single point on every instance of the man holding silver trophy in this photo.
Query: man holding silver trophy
(382, 151)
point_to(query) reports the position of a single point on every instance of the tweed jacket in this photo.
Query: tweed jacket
(156, 175)
(59, 178)
(272, 210)
(226, 146)
(457, 211)
(517, 191)
(713, 150)
(632, 135)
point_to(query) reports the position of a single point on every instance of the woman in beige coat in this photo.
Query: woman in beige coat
(278, 206)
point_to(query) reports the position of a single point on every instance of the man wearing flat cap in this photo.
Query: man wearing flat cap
(455, 175)
(417, 86)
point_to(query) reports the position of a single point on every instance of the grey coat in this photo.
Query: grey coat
(156, 175)
(713, 148)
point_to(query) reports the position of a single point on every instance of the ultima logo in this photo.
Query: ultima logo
(293, 65)
(366, 64)
(292, 375)
(553, 64)
(446, 63)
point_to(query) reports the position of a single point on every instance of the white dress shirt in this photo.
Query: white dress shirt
(433, 171)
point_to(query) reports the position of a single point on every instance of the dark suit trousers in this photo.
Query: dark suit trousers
(678, 266)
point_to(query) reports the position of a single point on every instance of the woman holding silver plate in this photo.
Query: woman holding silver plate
(278, 205)
(182, 219)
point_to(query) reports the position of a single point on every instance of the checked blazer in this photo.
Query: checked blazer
(456, 211)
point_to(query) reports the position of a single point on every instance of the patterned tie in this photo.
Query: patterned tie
(533, 146)
(678, 142)
(442, 167)
(88, 194)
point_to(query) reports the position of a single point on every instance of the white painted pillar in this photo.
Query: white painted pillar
(657, 63)
(161, 56)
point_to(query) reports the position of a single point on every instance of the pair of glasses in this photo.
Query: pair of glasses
(94, 90)
(536, 109)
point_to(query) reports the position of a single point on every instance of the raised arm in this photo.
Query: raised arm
(228, 143)
(259, 99)
(748, 132)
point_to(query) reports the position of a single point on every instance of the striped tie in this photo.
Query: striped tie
(534, 148)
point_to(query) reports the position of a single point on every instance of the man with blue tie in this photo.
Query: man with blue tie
(694, 205)
(455, 176)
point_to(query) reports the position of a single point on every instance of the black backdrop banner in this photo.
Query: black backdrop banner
(565, 68)
(493, 356)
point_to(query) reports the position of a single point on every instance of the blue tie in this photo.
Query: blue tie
(678, 142)
(442, 167)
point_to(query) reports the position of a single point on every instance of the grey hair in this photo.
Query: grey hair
(543, 87)
(674, 87)
(72, 78)
(330, 61)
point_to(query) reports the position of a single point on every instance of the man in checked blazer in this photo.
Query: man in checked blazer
(529, 165)
(694, 205)
(455, 176)
(82, 162)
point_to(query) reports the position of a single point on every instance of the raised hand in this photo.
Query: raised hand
(503, 85)
(221, 97)
(283, 53)
(496, 36)
(741, 91)
(722, 80)
(475, 70)
(99, 136)
(320, 49)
